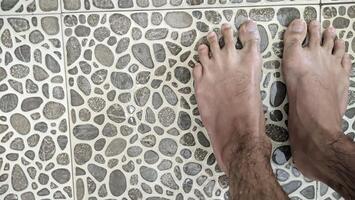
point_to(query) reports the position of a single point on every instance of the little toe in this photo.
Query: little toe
(203, 54)
(314, 34)
(295, 34)
(339, 48)
(214, 44)
(227, 33)
(249, 36)
(346, 63)
(329, 36)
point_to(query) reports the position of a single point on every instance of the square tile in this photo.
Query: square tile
(16, 7)
(135, 127)
(35, 161)
(97, 5)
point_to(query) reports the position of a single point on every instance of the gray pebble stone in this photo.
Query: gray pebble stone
(140, 18)
(61, 175)
(116, 113)
(47, 149)
(156, 18)
(185, 19)
(116, 147)
(103, 4)
(291, 186)
(8, 102)
(122, 45)
(48, 5)
(151, 157)
(19, 181)
(156, 34)
(50, 25)
(82, 153)
(96, 103)
(148, 174)
(168, 180)
(117, 183)
(142, 53)
(104, 55)
(165, 165)
(262, 14)
(119, 24)
(73, 48)
(19, 24)
(36, 37)
(85, 132)
(213, 16)
(121, 80)
(168, 147)
(277, 93)
(99, 76)
(99, 173)
(286, 15)
(166, 116)
(192, 168)
(20, 123)
(341, 22)
(141, 96)
(109, 130)
(23, 53)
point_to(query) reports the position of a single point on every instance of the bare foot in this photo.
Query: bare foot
(228, 94)
(317, 79)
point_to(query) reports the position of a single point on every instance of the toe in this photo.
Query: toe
(295, 34)
(214, 45)
(339, 48)
(249, 36)
(203, 54)
(197, 72)
(329, 38)
(314, 34)
(346, 63)
(227, 33)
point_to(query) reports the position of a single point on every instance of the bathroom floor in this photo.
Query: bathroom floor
(97, 98)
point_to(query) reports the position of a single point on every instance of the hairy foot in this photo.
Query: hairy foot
(227, 91)
(317, 79)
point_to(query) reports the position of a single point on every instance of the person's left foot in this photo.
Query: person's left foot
(227, 86)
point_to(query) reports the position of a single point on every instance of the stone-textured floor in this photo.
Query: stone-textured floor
(100, 104)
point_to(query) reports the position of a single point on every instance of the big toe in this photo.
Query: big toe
(295, 34)
(249, 36)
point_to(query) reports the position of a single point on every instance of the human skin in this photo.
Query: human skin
(228, 79)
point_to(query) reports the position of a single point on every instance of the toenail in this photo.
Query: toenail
(331, 29)
(298, 26)
(226, 26)
(251, 26)
(211, 35)
(201, 47)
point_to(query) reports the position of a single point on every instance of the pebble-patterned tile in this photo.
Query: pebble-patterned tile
(35, 158)
(97, 5)
(342, 17)
(135, 126)
(15, 7)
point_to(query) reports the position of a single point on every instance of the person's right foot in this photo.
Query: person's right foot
(317, 79)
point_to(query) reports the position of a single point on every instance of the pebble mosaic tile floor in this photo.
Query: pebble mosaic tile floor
(101, 105)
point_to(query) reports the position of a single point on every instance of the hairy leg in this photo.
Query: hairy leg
(227, 86)
(317, 79)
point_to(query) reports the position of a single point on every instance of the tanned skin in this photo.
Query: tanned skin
(317, 78)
